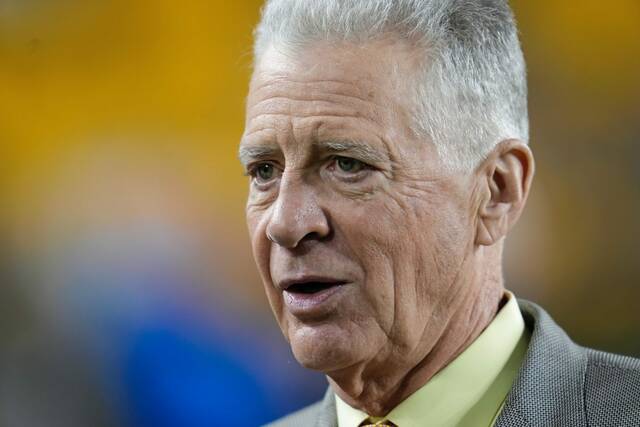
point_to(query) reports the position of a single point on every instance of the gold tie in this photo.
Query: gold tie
(383, 423)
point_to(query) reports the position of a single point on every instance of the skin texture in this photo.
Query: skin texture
(417, 247)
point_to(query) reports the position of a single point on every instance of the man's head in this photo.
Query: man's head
(385, 141)
(468, 90)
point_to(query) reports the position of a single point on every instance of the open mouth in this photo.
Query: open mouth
(312, 287)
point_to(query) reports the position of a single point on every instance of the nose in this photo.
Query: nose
(296, 216)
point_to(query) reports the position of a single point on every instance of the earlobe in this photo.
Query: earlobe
(506, 177)
(483, 235)
(493, 222)
(491, 229)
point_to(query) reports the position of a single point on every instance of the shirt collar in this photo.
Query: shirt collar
(472, 387)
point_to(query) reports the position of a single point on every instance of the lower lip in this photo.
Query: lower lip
(301, 304)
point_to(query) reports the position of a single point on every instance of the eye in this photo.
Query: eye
(349, 165)
(263, 172)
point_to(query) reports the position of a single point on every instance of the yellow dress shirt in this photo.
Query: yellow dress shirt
(471, 390)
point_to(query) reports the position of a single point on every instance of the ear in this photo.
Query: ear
(505, 179)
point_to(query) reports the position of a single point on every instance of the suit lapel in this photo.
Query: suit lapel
(549, 388)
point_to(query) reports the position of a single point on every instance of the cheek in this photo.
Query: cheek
(375, 240)
(441, 249)
(410, 248)
(257, 220)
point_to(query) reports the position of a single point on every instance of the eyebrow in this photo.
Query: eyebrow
(363, 151)
(251, 153)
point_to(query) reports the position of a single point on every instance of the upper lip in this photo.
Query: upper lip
(288, 282)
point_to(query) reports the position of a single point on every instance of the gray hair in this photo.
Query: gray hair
(472, 91)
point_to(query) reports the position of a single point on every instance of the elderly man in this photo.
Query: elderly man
(386, 141)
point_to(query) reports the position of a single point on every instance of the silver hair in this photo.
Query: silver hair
(471, 92)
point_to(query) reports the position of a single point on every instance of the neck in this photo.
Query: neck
(380, 385)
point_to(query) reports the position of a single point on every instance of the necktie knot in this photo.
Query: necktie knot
(382, 423)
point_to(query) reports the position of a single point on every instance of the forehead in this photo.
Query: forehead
(338, 87)
(374, 67)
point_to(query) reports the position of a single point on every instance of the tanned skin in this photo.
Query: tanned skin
(343, 190)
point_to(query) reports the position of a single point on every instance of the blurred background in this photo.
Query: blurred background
(128, 294)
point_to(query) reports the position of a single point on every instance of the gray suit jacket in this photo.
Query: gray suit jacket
(559, 384)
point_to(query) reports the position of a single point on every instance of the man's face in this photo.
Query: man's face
(363, 241)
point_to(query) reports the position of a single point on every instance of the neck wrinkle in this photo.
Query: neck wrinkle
(378, 396)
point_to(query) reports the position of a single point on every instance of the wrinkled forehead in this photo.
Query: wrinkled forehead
(332, 91)
(376, 69)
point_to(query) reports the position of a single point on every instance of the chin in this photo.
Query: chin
(323, 348)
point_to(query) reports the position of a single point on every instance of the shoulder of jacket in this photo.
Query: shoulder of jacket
(602, 359)
(304, 417)
(612, 388)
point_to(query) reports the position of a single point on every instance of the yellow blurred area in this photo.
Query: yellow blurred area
(122, 111)
(148, 89)
(74, 72)
(600, 41)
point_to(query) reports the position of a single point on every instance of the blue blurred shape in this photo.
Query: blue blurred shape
(178, 380)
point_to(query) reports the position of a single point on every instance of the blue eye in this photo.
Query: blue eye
(349, 165)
